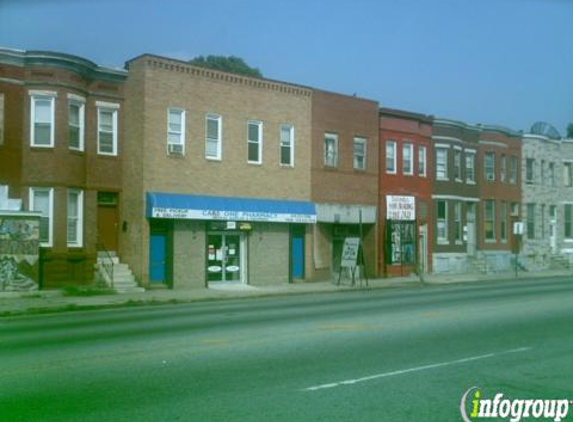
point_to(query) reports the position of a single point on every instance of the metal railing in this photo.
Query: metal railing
(106, 262)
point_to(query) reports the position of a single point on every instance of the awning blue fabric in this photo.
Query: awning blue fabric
(204, 207)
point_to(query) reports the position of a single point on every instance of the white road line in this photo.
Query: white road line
(415, 369)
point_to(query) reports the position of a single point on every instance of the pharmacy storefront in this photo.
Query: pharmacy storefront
(208, 240)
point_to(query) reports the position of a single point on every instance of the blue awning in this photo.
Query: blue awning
(203, 207)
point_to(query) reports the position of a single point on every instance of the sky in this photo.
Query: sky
(502, 62)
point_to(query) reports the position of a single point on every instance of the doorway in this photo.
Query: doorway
(297, 252)
(225, 257)
(471, 229)
(423, 249)
(107, 220)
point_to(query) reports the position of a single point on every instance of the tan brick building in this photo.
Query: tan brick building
(218, 177)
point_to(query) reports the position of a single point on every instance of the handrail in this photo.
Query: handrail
(107, 266)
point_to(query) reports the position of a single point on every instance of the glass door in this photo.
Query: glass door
(232, 255)
(215, 257)
(224, 260)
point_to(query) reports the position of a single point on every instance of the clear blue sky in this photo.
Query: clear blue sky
(507, 62)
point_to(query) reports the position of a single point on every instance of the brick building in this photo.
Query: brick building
(406, 183)
(61, 152)
(344, 178)
(218, 180)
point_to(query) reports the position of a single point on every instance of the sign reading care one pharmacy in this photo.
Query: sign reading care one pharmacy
(261, 216)
(400, 207)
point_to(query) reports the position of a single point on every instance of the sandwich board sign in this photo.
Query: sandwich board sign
(350, 252)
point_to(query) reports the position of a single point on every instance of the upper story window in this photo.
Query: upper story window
(489, 166)
(551, 174)
(408, 158)
(359, 152)
(529, 170)
(502, 168)
(568, 220)
(441, 163)
(513, 170)
(422, 164)
(568, 174)
(42, 200)
(470, 167)
(42, 118)
(213, 137)
(107, 128)
(76, 122)
(457, 165)
(391, 157)
(287, 145)
(542, 171)
(75, 217)
(176, 131)
(255, 142)
(330, 150)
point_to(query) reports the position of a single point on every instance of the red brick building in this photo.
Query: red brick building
(61, 154)
(405, 192)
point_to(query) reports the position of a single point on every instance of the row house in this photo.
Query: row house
(61, 154)
(405, 191)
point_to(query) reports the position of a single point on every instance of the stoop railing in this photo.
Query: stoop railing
(106, 262)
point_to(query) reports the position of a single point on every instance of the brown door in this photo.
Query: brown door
(107, 220)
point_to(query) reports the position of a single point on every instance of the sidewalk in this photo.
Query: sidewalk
(54, 300)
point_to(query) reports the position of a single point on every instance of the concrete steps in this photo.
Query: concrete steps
(123, 280)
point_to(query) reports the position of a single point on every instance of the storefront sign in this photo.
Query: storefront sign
(400, 207)
(190, 214)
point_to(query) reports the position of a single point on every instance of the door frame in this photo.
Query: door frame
(297, 231)
(242, 259)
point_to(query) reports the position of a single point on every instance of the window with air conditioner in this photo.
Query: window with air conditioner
(175, 131)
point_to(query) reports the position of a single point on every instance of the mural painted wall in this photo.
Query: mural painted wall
(19, 251)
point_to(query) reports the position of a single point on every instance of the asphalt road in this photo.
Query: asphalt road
(387, 355)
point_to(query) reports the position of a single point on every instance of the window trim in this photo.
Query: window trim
(32, 201)
(333, 136)
(503, 168)
(442, 240)
(493, 221)
(114, 111)
(470, 155)
(78, 243)
(528, 180)
(408, 146)
(458, 226)
(219, 119)
(568, 222)
(259, 141)
(530, 218)
(394, 144)
(360, 140)
(489, 176)
(36, 96)
(446, 176)
(422, 152)
(513, 170)
(291, 145)
(181, 133)
(76, 100)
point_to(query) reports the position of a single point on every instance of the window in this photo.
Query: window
(529, 170)
(502, 168)
(407, 158)
(568, 174)
(255, 142)
(489, 217)
(391, 157)
(213, 137)
(542, 178)
(552, 212)
(422, 161)
(287, 145)
(442, 163)
(542, 212)
(42, 200)
(470, 167)
(76, 118)
(442, 221)
(458, 165)
(75, 217)
(513, 170)
(175, 131)
(360, 153)
(503, 222)
(42, 119)
(530, 221)
(489, 166)
(551, 175)
(568, 220)
(107, 131)
(330, 150)
(458, 222)
(514, 208)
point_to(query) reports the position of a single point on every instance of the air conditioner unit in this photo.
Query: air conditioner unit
(175, 149)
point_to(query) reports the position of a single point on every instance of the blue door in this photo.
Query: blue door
(157, 255)
(297, 256)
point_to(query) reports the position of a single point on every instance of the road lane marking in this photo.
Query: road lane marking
(415, 369)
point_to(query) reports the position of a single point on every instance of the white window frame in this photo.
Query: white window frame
(530, 180)
(331, 137)
(219, 119)
(80, 102)
(290, 145)
(259, 141)
(181, 133)
(503, 168)
(79, 219)
(470, 170)
(567, 174)
(42, 96)
(408, 146)
(458, 164)
(446, 151)
(422, 162)
(50, 217)
(363, 141)
(113, 109)
(393, 146)
(489, 173)
(513, 170)
(444, 240)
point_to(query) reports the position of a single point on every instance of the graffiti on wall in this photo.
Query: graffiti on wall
(19, 234)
